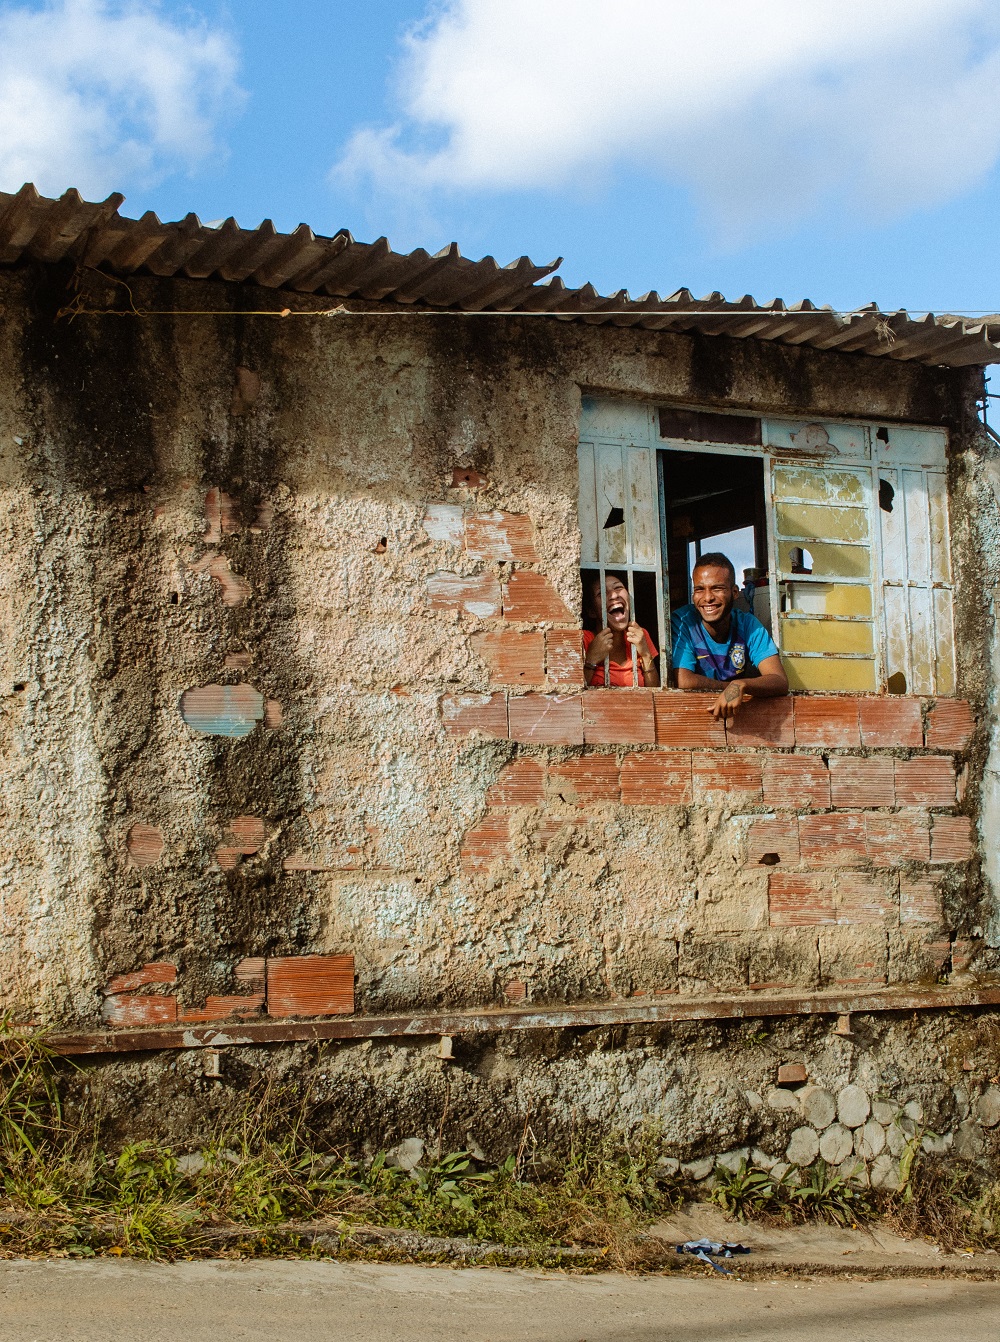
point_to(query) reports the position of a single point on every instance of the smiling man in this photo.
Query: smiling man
(712, 642)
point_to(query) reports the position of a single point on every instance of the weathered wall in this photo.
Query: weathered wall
(369, 524)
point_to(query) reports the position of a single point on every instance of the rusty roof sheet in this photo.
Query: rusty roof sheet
(95, 234)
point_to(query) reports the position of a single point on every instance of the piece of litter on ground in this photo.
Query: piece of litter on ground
(706, 1249)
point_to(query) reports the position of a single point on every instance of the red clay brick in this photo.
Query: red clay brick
(618, 717)
(250, 969)
(763, 722)
(832, 840)
(949, 724)
(564, 656)
(516, 990)
(826, 720)
(310, 985)
(962, 954)
(865, 899)
(720, 776)
(465, 713)
(531, 597)
(683, 719)
(244, 836)
(513, 658)
(159, 971)
(477, 594)
(919, 900)
(858, 782)
(221, 1008)
(503, 536)
(521, 783)
(135, 1011)
(927, 781)
(586, 779)
(464, 477)
(951, 838)
(800, 900)
(486, 843)
(796, 781)
(775, 837)
(547, 719)
(898, 838)
(890, 721)
(657, 778)
(144, 844)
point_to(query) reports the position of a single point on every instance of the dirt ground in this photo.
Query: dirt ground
(350, 1302)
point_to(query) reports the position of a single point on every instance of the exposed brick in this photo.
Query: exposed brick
(144, 845)
(222, 516)
(775, 837)
(862, 782)
(926, 781)
(234, 587)
(826, 720)
(521, 783)
(513, 658)
(503, 536)
(250, 969)
(792, 1074)
(618, 717)
(682, 719)
(890, 720)
(796, 781)
(221, 1008)
(159, 971)
(531, 597)
(800, 900)
(894, 839)
(865, 899)
(763, 722)
(920, 900)
(222, 710)
(137, 1011)
(547, 829)
(722, 777)
(564, 656)
(832, 840)
(516, 990)
(464, 477)
(486, 843)
(310, 985)
(485, 713)
(657, 778)
(478, 594)
(962, 954)
(547, 719)
(238, 661)
(244, 836)
(274, 714)
(951, 838)
(445, 522)
(586, 779)
(949, 724)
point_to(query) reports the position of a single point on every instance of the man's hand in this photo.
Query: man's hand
(725, 706)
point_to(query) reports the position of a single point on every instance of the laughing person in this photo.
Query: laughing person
(713, 643)
(616, 640)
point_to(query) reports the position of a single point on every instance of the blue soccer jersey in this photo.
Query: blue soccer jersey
(694, 649)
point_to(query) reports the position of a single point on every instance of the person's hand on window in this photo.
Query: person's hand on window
(635, 636)
(724, 708)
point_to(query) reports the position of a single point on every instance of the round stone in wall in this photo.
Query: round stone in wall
(968, 1142)
(869, 1140)
(853, 1106)
(836, 1144)
(885, 1172)
(782, 1099)
(803, 1147)
(895, 1140)
(883, 1112)
(854, 1172)
(988, 1107)
(914, 1110)
(818, 1106)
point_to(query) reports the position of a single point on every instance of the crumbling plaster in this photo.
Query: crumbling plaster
(112, 433)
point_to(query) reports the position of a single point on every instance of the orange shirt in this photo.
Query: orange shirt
(621, 673)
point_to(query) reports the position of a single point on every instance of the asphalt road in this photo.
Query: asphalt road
(315, 1302)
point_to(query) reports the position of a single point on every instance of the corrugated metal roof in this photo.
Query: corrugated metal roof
(95, 234)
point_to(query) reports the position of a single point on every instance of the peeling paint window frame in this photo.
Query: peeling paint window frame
(912, 600)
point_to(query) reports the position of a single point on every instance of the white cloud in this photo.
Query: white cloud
(97, 93)
(767, 110)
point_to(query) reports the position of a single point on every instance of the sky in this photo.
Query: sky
(842, 150)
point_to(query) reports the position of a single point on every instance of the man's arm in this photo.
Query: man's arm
(770, 684)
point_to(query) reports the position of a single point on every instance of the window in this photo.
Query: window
(842, 529)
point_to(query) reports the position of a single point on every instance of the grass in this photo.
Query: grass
(267, 1184)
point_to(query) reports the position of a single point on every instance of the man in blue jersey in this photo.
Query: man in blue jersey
(714, 643)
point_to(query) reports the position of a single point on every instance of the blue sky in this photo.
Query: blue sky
(843, 151)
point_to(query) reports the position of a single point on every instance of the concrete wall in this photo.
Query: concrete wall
(363, 530)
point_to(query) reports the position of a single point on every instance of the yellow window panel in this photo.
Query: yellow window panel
(820, 486)
(829, 673)
(828, 598)
(833, 636)
(823, 523)
(833, 561)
